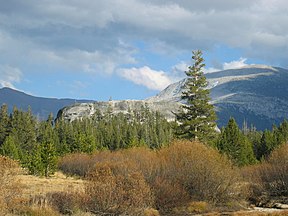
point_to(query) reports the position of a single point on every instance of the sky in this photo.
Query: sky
(132, 49)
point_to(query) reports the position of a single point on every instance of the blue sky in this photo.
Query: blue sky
(132, 49)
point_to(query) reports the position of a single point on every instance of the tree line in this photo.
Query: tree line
(38, 144)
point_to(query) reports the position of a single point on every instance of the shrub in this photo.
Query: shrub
(151, 212)
(194, 207)
(68, 202)
(75, 164)
(169, 195)
(111, 191)
(147, 162)
(274, 173)
(10, 189)
(37, 211)
(131, 180)
(202, 171)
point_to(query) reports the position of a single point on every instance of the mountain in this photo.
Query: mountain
(256, 94)
(41, 107)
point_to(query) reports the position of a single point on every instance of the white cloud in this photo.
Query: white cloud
(9, 76)
(145, 76)
(235, 64)
(101, 36)
(178, 71)
(211, 70)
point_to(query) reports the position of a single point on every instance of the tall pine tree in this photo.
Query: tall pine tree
(196, 117)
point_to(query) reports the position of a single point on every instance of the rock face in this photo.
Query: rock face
(255, 94)
(83, 110)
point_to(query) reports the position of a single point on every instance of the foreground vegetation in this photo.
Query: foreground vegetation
(184, 178)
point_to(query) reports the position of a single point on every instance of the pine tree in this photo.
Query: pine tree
(10, 148)
(234, 144)
(197, 116)
(4, 123)
(46, 151)
(268, 143)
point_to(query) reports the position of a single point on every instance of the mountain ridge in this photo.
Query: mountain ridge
(40, 106)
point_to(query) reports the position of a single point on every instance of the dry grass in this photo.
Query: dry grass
(36, 186)
(256, 212)
(10, 188)
(36, 193)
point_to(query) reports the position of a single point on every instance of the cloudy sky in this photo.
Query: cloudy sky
(132, 49)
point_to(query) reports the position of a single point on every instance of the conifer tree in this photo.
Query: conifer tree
(10, 148)
(268, 143)
(196, 117)
(4, 123)
(46, 148)
(64, 133)
(237, 146)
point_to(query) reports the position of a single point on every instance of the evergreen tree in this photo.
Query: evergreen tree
(268, 143)
(64, 132)
(10, 148)
(46, 150)
(23, 129)
(34, 162)
(254, 138)
(197, 116)
(4, 123)
(282, 133)
(237, 146)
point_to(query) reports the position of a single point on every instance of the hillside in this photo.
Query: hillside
(41, 107)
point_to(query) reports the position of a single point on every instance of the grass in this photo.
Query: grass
(36, 186)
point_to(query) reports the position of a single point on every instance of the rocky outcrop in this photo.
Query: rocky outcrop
(84, 110)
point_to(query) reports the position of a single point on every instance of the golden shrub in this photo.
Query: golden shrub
(202, 171)
(273, 173)
(10, 189)
(111, 191)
